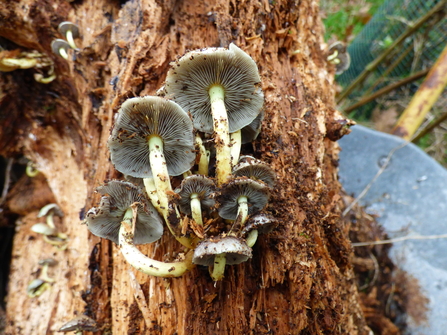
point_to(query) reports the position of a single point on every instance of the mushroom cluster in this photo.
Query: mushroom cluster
(191, 135)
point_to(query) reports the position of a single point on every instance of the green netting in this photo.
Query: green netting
(417, 52)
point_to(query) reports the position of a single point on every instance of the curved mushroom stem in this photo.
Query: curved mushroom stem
(63, 53)
(204, 157)
(236, 144)
(222, 138)
(31, 170)
(196, 209)
(333, 56)
(242, 210)
(143, 263)
(252, 237)
(70, 39)
(219, 266)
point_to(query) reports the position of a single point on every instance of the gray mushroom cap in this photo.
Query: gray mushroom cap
(250, 132)
(264, 223)
(66, 26)
(200, 185)
(59, 43)
(79, 323)
(140, 118)
(257, 194)
(190, 78)
(105, 220)
(342, 60)
(236, 250)
(255, 169)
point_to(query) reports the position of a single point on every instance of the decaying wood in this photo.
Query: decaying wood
(299, 280)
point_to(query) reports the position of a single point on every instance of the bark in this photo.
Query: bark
(299, 280)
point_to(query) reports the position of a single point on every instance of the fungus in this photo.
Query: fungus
(70, 31)
(79, 324)
(31, 170)
(48, 230)
(254, 169)
(37, 286)
(250, 132)
(219, 251)
(60, 48)
(196, 192)
(126, 217)
(152, 138)
(258, 224)
(117, 198)
(241, 197)
(339, 56)
(203, 156)
(220, 88)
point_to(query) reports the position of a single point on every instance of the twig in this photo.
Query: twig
(399, 239)
(7, 180)
(140, 299)
(430, 127)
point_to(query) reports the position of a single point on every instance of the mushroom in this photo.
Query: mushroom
(339, 56)
(37, 286)
(250, 132)
(127, 218)
(79, 324)
(241, 197)
(70, 31)
(221, 250)
(253, 168)
(48, 229)
(220, 88)
(196, 192)
(117, 198)
(152, 138)
(60, 47)
(203, 156)
(258, 224)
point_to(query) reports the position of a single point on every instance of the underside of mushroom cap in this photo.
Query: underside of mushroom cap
(264, 223)
(196, 184)
(255, 169)
(190, 78)
(141, 118)
(236, 250)
(256, 192)
(251, 131)
(105, 221)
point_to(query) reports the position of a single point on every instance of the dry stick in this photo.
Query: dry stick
(424, 99)
(371, 66)
(387, 89)
(430, 127)
(140, 299)
(399, 239)
(7, 180)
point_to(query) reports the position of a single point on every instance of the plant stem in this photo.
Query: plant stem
(222, 136)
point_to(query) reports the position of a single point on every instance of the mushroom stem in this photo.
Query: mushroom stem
(63, 53)
(70, 39)
(222, 138)
(236, 144)
(219, 266)
(44, 274)
(252, 237)
(143, 263)
(204, 157)
(242, 211)
(159, 172)
(196, 209)
(151, 191)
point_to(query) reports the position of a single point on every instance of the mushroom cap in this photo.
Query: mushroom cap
(82, 322)
(236, 250)
(337, 46)
(58, 44)
(105, 221)
(257, 194)
(140, 118)
(196, 184)
(253, 168)
(264, 223)
(344, 62)
(191, 76)
(66, 26)
(250, 132)
(47, 209)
